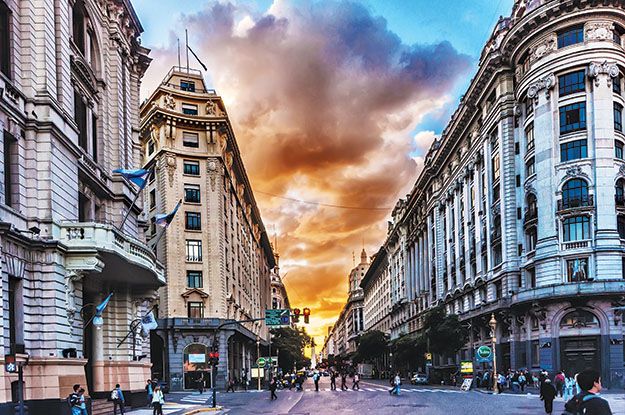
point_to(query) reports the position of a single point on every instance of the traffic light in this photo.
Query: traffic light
(296, 313)
(306, 315)
(213, 358)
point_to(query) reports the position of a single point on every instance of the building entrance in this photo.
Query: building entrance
(579, 353)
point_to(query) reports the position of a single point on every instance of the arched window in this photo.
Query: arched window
(531, 238)
(578, 319)
(575, 194)
(619, 192)
(78, 25)
(532, 207)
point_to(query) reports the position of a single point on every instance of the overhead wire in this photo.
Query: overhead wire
(308, 202)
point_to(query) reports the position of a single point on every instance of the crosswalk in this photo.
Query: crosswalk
(169, 408)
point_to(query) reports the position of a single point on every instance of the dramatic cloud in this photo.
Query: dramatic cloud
(324, 100)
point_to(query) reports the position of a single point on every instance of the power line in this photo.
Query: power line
(323, 204)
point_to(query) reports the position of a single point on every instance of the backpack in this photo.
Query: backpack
(114, 395)
(72, 400)
(576, 405)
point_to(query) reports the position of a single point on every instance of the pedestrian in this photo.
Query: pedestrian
(478, 380)
(73, 400)
(522, 381)
(157, 401)
(230, 385)
(587, 401)
(272, 388)
(332, 380)
(149, 388)
(117, 397)
(83, 404)
(569, 387)
(559, 383)
(356, 382)
(397, 383)
(316, 377)
(344, 381)
(501, 382)
(548, 394)
(200, 383)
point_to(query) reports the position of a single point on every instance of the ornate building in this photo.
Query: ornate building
(218, 257)
(69, 98)
(520, 208)
(279, 296)
(377, 295)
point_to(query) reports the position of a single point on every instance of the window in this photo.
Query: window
(529, 106)
(193, 221)
(571, 83)
(529, 136)
(187, 86)
(577, 269)
(531, 239)
(618, 117)
(192, 193)
(194, 250)
(189, 109)
(496, 167)
(78, 25)
(535, 353)
(619, 192)
(531, 277)
(151, 147)
(195, 309)
(532, 207)
(616, 35)
(618, 149)
(10, 167)
(190, 139)
(192, 168)
(576, 228)
(152, 198)
(5, 44)
(575, 194)
(573, 150)
(194, 279)
(573, 117)
(620, 221)
(571, 36)
(80, 116)
(530, 167)
(616, 84)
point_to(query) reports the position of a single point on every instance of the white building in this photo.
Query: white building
(377, 296)
(519, 208)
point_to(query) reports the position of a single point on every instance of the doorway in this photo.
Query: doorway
(579, 353)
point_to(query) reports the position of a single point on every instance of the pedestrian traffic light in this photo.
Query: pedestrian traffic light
(306, 315)
(296, 313)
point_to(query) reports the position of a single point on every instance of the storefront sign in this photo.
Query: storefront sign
(197, 358)
(466, 367)
(484, 354)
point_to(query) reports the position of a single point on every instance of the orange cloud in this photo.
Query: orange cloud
(323, 98)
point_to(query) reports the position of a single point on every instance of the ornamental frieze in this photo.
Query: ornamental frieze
(598, 31)
(545, 83)
(544, 47)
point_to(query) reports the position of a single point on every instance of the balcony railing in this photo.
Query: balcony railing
(575, 245)
(531, 214)
(576, 202)
(495, 234)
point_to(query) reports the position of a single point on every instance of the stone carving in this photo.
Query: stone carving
(171, 168)
(71, 278)
(529, 188)
(574, 171)
(544, 47)
(212, 109)
(598, 31)
(517, 110)
(545, 83)
(169, 102)
(603, 68)
(532, 4)
(621, 170)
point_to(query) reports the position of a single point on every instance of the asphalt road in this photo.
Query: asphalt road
(373, 398)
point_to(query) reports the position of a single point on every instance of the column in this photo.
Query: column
(439, 245)
(97, 351)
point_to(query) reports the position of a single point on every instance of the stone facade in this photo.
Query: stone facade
(519, 208)
(377, 294)
(70, 74)
(217, 254)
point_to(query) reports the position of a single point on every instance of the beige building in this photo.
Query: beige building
(216, 250)
(70, 73)
(279, 296)
(377, 295)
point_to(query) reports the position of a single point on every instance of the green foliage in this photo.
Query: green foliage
(408, 350)
(372, 344)
(290, 343)
(445, 333)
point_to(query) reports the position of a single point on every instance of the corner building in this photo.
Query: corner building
(216, 250)
(70, 74)
(520, 208)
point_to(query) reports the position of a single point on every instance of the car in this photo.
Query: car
(419, 379)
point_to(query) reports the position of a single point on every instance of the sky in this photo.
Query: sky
(333, 103)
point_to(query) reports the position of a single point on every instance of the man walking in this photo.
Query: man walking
(356, 382)
(74, 400)
(559, 381)
(344, 381)
(332, 380)
(231, 385)
(587, 401)
(316, 377)
(118, 400)
(548, 394)
(272, 388)
(150, 391)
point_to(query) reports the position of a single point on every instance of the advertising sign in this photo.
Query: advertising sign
(484, 354)
(466, 367)
(197, 358)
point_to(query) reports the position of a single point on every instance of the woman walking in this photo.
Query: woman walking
(569, 387)
(157, 401)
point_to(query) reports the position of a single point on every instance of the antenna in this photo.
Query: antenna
(186, 34)
(353, 259)
(178, 40)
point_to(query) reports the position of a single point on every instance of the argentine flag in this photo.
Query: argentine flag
(163, 219)
(138, 176)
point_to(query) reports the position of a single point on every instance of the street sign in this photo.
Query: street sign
(277, 317)
(261, 362)
(466, 384)
(466, 366)
(9, 363)
(484, 354)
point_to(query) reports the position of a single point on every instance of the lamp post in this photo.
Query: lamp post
(493, 327)
(257, 356)
(96, 318)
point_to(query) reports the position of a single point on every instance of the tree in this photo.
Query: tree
(409, 351)
(445, 333)
(291, 343)
(372, 345)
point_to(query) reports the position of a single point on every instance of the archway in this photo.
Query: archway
(580, 346)
(195, 366)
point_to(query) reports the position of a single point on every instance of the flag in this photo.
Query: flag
(148, 323)
(138, 176)
(99, 309)
(198, 59)
(163, 219)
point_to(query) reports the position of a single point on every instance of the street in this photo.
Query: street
(372, 398)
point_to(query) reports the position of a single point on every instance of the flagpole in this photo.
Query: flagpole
(121, 225)
(158, 238)
(178, 39)
(186, 34)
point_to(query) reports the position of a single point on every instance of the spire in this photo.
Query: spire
(363, 256)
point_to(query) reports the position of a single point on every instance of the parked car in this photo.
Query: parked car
(419, 379)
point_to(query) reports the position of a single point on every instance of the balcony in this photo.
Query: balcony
(98, 247)
(596, 288)
(531, 216)
(575, 245)
(495, 235)
(619, 200)
(576, 203)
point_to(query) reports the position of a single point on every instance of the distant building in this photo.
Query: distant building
(217, 253)
(377, 294)
(279, 296)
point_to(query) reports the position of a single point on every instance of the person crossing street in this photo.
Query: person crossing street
(356, 382)
(272, 388)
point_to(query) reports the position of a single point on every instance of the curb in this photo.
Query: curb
(199, 410)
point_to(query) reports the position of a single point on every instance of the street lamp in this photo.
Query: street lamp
(493, 327)
(96, 318)
(257, 356)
